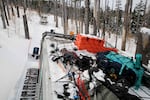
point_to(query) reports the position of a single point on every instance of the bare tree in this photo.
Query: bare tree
(26, 27)
(146, 52)
(2, 15)
(87, 9)
(71, 13)
(75, 14)
(94, 17)
(104, 19)
(118, 19)
(126, 23)
(12, 10)
(81, 19)
(24, 3)
(5, 14)
(96, 21)
(98, 15)
(65, 16)
(39, 7)
(7, 7)
(56, 12)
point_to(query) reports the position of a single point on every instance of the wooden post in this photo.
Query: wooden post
(26, 26)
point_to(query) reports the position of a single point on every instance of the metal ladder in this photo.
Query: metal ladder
(30, 86)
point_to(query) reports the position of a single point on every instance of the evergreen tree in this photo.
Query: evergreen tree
(137, 17)
(136, 24)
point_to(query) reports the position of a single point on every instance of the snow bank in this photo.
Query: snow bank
(13, 56)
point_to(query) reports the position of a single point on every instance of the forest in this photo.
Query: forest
(113, 20)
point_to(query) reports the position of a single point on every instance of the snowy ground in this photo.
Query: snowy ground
(14, 48)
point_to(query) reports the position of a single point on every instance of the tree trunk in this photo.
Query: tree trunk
(39, 7)
(66, 16)
(104, 20)
(94, 27)
(75, 13)
(8, 12)
(26, 27)
(87, 9)
(2, 15)
(146, 52)
(117, 21)
(5, 12)
(3, 20)
(12, 10)
(82, 19)
(103, 32)
(139, 45)
(56, 14)
(25, 6)
(54, 1)
(95, 9)
(98, 15)
(71, 12)
(126, 24)
(81, 30)
(95, 18)
(65, 22)
(18, 14)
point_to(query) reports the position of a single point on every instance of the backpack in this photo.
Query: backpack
(112, 69)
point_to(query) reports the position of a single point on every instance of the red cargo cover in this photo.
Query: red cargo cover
(90, 44)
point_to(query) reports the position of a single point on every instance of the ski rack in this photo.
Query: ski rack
(53, 34)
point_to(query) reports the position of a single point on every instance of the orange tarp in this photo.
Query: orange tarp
(93, 45)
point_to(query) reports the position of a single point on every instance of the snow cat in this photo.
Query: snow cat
(83, 67)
